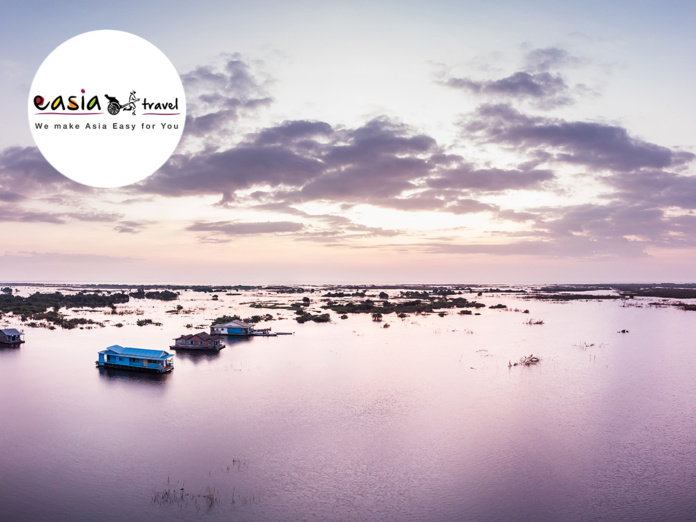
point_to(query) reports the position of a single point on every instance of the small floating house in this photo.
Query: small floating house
(139, 359)
(200, 342)
(232, 328)
(11, 337)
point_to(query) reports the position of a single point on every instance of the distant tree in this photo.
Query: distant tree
(226, 319)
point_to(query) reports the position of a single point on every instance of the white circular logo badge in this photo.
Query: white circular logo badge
(107, 108)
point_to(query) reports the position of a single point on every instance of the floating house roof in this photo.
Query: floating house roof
(202, 335)
(234, 324)
(138, 352)
(10, 331)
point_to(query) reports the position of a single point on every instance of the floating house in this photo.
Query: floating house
(199, 341)
(139, 359)
(11, 337)
(232, 328)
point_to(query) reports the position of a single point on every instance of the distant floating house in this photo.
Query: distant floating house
(232, 328)
(11, 337)
(198, 341)
(139, 359)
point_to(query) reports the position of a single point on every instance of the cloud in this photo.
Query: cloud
(550, 58)
(129, 227)
(230, 170)
(597, 146)
(218, 95)
(570, 247)
(10, 197)
(14, 213)
(24, 172)
(545, 89)
(48, 258)
(537, 83)
(239, 229)
(291, 132)
(658, 188)
(489, 180)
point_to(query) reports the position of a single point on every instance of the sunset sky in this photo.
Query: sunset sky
(376, 142)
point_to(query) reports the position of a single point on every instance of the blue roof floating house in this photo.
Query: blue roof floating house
(138, 359)
(11, 337)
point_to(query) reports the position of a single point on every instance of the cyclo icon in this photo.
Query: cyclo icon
(115, 106)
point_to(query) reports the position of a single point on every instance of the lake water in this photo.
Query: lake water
(348, 420)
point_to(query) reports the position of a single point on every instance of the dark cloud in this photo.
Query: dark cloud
(537, 82)
(94, 216)
(594, 145)
(378, 138)
(654, 187)
(546, 89)
(382, 163)
(366, 181)
(230, 170)
(13, 213)
(10, 197)
(377, 161)
(293, 131)
(129, 227)
(24, 172)
(611, 221)
(614, 229)
(489, 180)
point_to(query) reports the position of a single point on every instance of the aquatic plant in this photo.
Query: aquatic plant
(37, 303)
(317, 318)
(181, 497)
(164, 295)
(416, 306)
(145, 322)
(526, 360)
(225, 319)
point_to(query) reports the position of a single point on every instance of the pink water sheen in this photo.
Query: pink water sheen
(348, 420)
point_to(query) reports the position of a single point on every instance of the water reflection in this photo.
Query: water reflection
(157, 379)
(234, 340)
(196, 357)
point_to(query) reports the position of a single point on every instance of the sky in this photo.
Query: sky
(376, 142)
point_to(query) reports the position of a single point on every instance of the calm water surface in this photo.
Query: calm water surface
(352, 421)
